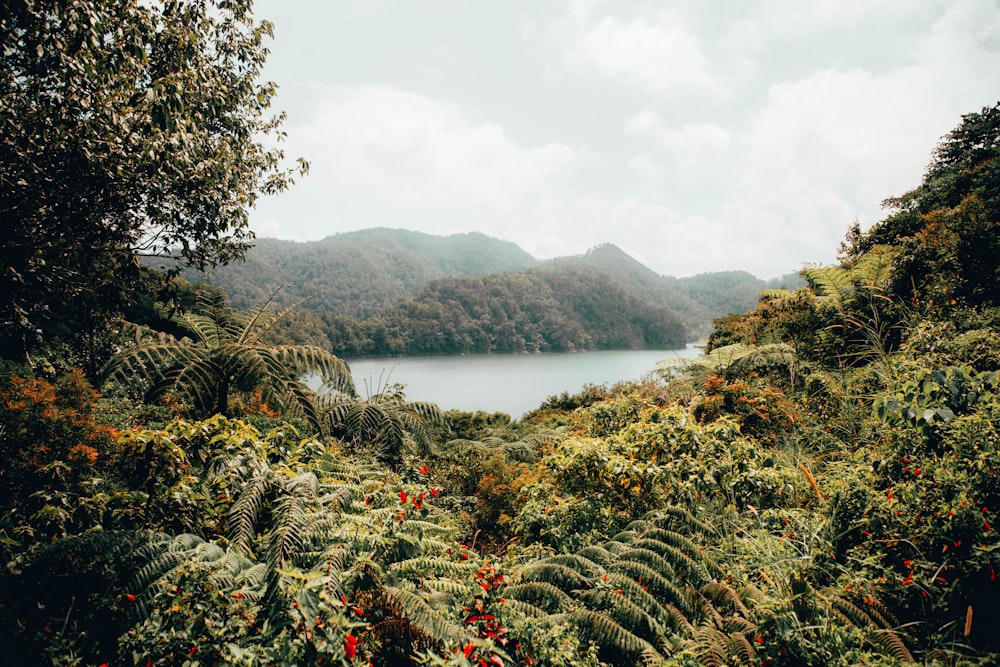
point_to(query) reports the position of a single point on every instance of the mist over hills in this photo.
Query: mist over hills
(393, 291)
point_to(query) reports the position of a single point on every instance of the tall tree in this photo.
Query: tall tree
(126, 128)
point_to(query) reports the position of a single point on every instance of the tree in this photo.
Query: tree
(228, 353)
(127, 128)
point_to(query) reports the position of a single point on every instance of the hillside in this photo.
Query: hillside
(368, 274)
(697, 300)
(360, 273)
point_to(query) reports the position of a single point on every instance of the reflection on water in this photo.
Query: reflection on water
(511, 383)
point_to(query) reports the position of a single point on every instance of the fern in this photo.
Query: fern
(606, 632)
(542, 595)
(422, 615)
(555, 573)
(890, 642)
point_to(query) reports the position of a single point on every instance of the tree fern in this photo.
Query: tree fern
(227, 353)
(385, 422)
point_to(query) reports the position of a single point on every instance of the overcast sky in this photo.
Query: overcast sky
(697, 136)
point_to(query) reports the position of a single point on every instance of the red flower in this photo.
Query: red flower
(350, 646)
(130, 597)
(402, 497)
(194, 649)
(434, 492)
(468, 649)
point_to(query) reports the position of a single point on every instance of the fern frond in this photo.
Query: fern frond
(426, 618)
(584, 566)
(540, 594)
(564, 577)
(890, 642)
(605, 632)
(527, 609)
(624, 611)
(719, 591)
(712, 647)
(741, 649)
(703, 605)
(674, 517)
(425, 566)
(682, 562)
(634, 571)
(596, 554)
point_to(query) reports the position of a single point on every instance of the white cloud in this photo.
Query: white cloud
(653, 51)
(693, 145)
(415, 153)
(796, 17)
(646, 168)
(272, 228)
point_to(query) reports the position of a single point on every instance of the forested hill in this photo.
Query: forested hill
(361, 273)
(371, 274)
(696, 300)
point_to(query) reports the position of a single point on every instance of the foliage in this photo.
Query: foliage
(129, 129)
(385, 423)
(390, 291)
(820, 488)
(229, 353)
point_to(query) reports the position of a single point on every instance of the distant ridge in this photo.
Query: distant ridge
(361, 274)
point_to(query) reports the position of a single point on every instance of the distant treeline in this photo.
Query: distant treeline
(552, 310)
(392, 292)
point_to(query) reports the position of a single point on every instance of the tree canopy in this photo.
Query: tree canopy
(127, 128)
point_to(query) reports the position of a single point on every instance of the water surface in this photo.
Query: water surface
(511, 383)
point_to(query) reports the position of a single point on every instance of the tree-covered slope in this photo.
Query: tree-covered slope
(371, 292)
(360, 273)
(697, 300)
(555, 309)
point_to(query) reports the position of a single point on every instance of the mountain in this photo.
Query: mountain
(374, 273)
(697, 300)
(360, 273)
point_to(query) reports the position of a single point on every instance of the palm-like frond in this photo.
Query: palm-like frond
(385, 422)
(227, 353)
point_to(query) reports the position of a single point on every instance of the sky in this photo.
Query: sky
(696, 136)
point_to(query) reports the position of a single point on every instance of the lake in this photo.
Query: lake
(511, 383)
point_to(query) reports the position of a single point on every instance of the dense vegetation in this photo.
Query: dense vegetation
(541, 310)
(819, 488)
(378, 291)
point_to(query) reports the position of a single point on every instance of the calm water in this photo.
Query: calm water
(511, 383)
